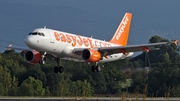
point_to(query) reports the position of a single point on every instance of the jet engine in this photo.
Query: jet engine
(33, 57)
(91, 55)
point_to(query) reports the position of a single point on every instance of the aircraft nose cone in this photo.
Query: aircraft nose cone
(29, 41)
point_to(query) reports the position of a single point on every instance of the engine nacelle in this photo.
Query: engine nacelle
(91, 55)
(33, 57)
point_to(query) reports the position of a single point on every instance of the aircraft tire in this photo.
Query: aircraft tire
(56, 69)
(61, 69)
(98, 68)
(93, 68)
(42, 62)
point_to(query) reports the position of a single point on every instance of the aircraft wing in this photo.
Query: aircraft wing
(125, 49)
(132, 48)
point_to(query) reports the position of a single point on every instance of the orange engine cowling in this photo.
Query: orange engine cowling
(91, 55)
(33, 57)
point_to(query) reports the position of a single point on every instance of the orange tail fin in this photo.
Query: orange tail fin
(121, 35)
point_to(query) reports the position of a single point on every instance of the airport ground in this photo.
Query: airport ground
(85, 99)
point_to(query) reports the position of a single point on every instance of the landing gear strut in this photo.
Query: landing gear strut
(96, 68)
(43, 60)
(58, 68)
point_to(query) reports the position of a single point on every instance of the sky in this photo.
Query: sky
(97, 18)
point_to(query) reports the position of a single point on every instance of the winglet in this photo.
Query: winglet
(175, 42)
(121, 35)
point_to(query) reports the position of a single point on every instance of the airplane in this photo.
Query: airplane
(74, 47)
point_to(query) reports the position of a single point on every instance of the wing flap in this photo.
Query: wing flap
(123, 49)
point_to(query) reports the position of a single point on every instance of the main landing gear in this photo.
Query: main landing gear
(58, 68)
(96, 68)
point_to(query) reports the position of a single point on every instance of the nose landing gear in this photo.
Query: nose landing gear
(43, 60)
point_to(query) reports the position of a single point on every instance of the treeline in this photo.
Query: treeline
(19, 78)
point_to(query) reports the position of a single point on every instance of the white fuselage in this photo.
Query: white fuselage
(61, 44)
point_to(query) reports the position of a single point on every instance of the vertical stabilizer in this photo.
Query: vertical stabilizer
(121, 35)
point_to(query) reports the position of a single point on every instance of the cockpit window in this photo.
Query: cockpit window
(42, 34)
(34, 34)
(37, 33)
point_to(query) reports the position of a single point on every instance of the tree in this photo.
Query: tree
(63, 88)
(175, 91)
(13, 90)
(80, 88)
(5, 80)
(166, 58)
(162, 79)
(78, 80)
(139, 79)
(31, 87)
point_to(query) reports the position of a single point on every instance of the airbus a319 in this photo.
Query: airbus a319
(68, 46)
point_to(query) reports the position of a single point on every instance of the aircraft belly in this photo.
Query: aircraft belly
(68, 52)
(63, 50)
(56, 49)
(79, 58)
(110, 58)
(73, 59)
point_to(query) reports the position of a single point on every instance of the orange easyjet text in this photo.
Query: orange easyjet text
(78, 40)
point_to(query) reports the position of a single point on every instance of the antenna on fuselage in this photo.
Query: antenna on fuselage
(44, 27)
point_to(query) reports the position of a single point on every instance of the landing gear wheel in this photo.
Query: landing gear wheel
(61, 69)
(98, 68)
(42, 62)
(93, 68)
(56, 69)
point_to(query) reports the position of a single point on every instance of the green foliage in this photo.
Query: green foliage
(31, 87)
(18, 78)
(175, 91)
(5, 80)
(139, 79)
(164, 77)
(66, 87)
